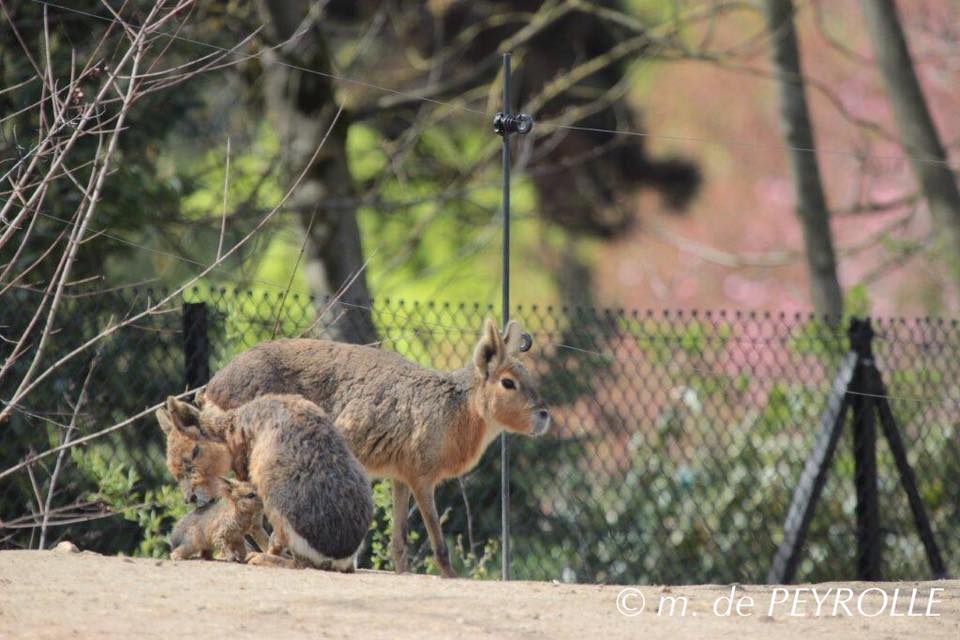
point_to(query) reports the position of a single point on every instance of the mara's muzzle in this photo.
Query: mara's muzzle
(541, 422)
(196, 495)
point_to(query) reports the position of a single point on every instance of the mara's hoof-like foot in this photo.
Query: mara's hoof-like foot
(268, 560)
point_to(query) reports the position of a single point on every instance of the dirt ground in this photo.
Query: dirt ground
(46, 594)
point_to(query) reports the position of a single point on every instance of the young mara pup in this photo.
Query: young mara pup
(199, 469)
(219, 525)
(315, 493)
(413, 425)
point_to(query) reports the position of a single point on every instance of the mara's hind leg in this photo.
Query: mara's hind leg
(423, 494)
(259, 535)
(273, 557)
(234, 548)
(189, 545)
(181, 553)
(189, 551)
(270, 560)
(343, 565)
(278, 542)
(398, 538)
(323, 563)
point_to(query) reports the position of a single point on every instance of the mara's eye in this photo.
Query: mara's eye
(508, 383)
(251, 495)
(196, 451)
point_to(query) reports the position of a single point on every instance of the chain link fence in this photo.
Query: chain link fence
(679, 437)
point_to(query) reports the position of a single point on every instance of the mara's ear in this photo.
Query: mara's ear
(512, 338)
(166, 422)
(231, 483)
(185, 418)
(490, 351)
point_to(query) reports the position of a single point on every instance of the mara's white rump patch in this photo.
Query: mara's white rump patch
(301, 549)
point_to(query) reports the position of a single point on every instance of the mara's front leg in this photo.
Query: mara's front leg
(398, 537)
(259, 534)
(423, 494)
(233, 547)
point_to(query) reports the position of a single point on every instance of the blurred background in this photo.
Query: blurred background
(774, 157)
(696, 210)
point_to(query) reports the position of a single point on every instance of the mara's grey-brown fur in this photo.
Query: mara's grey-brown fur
(219, 525)
(413, 425)
(315, 492)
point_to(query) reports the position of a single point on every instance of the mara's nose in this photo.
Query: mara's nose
(192, 499)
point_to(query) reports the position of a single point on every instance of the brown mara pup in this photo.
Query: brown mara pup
(412, 425)
(203, 467)
(315, 492)
(219, 525)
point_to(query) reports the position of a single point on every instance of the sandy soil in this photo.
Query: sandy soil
(83, 595)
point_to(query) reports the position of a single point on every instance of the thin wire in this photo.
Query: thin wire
(714, 373)
(448, 329)
(392, 336)
(160, 252)
(742, 143)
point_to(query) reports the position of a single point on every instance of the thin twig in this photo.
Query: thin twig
(466, 506)
(164, 300)
(34, 457)
(293, 272)
(223, 217)
(66, 440)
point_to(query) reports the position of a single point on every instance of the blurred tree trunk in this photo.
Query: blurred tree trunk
(917, 131)
(301, 106)
(809, 200)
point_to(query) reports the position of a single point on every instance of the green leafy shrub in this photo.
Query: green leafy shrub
(153, 510)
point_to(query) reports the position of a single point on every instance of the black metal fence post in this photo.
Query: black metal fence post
(814, 476)
(878, 389)
(859, 385)
(869, 542)
(505, 124)
(504, 441)
(196, 344)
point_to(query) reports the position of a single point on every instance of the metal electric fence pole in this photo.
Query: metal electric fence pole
(196, 344)
(504, 124)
